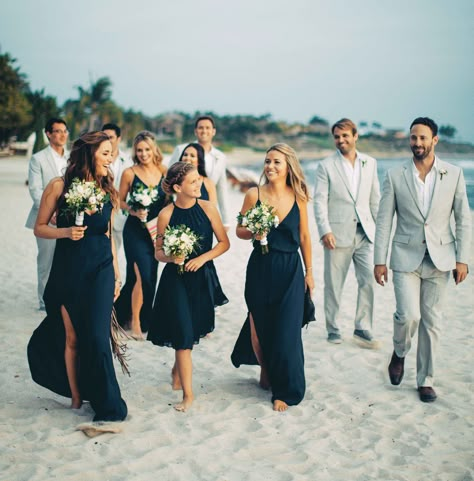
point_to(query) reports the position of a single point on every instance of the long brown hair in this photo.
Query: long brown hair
(81, 164)
(295, 178)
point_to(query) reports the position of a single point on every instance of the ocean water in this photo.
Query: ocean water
(309, 167)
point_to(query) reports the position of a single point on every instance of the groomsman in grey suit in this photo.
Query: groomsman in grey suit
(346, 199)
(44, 166)
(121, 162)
(424, 192)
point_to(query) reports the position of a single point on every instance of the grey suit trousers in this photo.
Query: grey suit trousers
(336, 266)
(44, 260)
(419, 297)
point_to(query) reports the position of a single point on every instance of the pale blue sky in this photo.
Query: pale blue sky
(372, 60)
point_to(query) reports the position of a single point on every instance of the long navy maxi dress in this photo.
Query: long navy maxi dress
(184, 306)
(274, 293)
(139, 250)
(81, 280)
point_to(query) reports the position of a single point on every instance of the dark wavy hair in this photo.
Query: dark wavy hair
(175, 176)
(81, 164)
(201, 167)
(430, 123)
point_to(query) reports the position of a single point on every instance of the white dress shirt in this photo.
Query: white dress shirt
(352, 173)
(60, 160)
(424, 190)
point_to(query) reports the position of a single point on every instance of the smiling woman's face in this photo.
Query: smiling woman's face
(103, 158)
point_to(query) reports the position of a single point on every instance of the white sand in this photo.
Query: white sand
(352, 424)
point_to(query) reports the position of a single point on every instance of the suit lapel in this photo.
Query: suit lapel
(437, 187)
(363, 175)
(340, 170)
(408, 173)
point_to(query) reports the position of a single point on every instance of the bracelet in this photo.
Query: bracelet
(119, 282)
(308, 269)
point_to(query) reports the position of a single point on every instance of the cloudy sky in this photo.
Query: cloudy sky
(372, 60)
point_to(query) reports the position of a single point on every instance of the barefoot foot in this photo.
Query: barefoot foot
(185, 404)
(279, 405)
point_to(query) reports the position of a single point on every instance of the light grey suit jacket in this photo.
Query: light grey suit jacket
(335, 208)
(415, 232)
(41, 169)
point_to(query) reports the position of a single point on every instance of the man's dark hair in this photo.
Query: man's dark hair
(428, 122)
(113, 127)
(54, 120)
(204, 117)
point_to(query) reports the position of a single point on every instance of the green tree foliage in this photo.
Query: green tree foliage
(92, 108)
(447, 131)
(316, 120)
(15, 109)
(43, 107)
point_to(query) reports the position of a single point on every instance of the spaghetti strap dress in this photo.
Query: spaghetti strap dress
(81, 280)
(184, 306)
(274, 293)
(204, 192)
(139, 250)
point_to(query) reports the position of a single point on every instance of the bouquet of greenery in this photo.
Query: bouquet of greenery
(179, 241)
(142, 197)
(84, 195)
(259, 220)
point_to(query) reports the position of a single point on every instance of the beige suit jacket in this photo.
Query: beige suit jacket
(414, 232)
(41, 170)
(335, 208)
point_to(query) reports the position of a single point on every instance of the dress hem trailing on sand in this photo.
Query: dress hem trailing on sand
(81, 280)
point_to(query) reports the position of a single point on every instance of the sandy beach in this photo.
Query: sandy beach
(353, 425)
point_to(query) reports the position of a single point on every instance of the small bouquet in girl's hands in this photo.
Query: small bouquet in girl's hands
(259, 220)
(84, 195)
(179, 241)
(142, 197)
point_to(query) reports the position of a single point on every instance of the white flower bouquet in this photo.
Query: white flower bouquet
(84, 195)
(179, 241)
(259, 220)
(142, 197)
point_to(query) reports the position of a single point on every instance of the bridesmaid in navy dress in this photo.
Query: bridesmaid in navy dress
(194, 154)
(70, 352)
(184, 304)
(275, 284)
(134, 305)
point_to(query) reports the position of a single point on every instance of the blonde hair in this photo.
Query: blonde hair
(149, 138)
(295, 178)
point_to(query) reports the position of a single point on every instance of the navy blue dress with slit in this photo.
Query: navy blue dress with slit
(183, 311)
(139, 250)
(81, 280)
(274, 293)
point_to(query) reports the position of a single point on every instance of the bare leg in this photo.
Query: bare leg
(137, 302)
(175, 380)
(70, 358)
(264, 381)
(185, 370)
